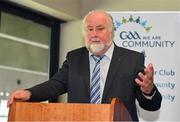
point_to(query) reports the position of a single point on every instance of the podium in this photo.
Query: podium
(59, 112)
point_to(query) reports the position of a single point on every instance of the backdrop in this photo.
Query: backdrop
(157, 35)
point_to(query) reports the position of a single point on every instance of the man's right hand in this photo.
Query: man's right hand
(21, 95)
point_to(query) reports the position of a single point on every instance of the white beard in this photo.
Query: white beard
(96, 48)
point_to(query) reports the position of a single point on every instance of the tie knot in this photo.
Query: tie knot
(97, 58)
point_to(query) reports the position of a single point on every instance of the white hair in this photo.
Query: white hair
(111, 23)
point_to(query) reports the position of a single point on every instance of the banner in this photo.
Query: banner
(157, 35)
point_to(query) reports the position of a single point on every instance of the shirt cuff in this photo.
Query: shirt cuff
(149, 96)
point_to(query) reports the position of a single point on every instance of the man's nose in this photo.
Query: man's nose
(94, 32)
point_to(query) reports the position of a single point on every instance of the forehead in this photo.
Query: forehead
(97, 19)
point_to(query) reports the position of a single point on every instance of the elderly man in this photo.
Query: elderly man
(100, 71)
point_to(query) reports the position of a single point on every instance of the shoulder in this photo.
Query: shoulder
(128, 52)
(78, 51)
(130, 57)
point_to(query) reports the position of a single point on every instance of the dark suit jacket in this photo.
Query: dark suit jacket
(74, 78)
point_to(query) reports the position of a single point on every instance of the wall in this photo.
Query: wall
(71, 38)
(130, 5)
(63, 9)
(70, 7)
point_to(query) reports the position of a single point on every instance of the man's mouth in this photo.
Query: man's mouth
(95, 40)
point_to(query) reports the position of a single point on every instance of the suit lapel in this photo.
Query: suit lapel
(85, 69)
(116, 58)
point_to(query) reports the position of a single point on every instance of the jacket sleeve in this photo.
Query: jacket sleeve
(52, 88)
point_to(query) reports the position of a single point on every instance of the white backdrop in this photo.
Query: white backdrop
(157, 35)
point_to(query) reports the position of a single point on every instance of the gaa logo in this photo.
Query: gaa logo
(129, 35)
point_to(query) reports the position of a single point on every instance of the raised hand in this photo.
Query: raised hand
(146, 79)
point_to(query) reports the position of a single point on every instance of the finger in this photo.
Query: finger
(149, 71)
(139, 82)
(10, 100)
(9, 103)
(142, 77)
(13, 96)
(144, 81)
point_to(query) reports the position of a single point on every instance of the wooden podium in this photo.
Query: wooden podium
(31, 111)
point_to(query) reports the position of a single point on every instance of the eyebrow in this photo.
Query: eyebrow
(100, 26)
(89, 26)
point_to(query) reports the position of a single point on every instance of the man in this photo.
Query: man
(86, 80)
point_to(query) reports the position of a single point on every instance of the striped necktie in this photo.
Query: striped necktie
(95, 81)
